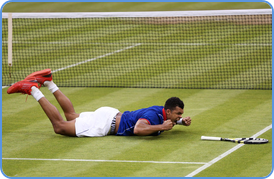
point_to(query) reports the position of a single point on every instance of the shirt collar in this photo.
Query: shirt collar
(164, 114)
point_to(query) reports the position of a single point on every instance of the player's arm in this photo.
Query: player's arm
(143, 127)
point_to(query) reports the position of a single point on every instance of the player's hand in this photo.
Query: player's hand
(186, 121)
(168, 124)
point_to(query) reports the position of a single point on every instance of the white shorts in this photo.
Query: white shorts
(95, 124)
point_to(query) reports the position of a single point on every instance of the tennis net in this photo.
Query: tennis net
(226, 49)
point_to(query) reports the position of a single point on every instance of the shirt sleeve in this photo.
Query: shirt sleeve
(152, 117)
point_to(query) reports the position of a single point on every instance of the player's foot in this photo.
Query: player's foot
(41, 76)
(23, 86)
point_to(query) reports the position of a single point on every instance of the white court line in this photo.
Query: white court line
(92, 59)
(116, 161)
(195, 172)
(205, 165)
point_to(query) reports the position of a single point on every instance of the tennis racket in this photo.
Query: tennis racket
(238, 140)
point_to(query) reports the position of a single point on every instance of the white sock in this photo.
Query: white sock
(36, 93)
(51, 86)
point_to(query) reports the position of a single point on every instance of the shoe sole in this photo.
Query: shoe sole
(43, 73)
(39, 73)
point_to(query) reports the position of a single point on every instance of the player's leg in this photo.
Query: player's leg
(63, 101)
(59, 125)
(30, 87)
(44, 77)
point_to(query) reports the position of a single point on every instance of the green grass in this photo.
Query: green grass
(27, 133)
(243, 162)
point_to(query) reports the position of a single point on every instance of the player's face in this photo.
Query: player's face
(175, 114)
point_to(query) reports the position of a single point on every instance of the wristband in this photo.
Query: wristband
(180, 122)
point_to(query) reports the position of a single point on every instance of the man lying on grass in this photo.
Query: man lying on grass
(105, 120)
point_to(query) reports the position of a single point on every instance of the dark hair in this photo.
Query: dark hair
(171, 103)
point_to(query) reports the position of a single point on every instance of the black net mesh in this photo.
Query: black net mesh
(203, 52)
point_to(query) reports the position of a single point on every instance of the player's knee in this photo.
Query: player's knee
(65, 128)
(58, 130)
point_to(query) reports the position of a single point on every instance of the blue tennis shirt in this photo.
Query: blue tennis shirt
(154, 115)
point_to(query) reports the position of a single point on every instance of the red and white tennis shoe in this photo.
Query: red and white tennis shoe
(41, 76)
(23, 86)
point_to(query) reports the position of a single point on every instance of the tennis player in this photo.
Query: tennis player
(105, 120)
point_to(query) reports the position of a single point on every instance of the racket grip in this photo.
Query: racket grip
(210, 138)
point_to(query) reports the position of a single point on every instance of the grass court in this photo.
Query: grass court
(30, 148)
(27, 133)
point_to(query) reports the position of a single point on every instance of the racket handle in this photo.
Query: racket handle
(210, 138)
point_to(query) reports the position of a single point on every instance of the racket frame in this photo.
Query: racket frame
(237, 140)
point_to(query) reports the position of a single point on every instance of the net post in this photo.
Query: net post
(10, 39)
(10, 43)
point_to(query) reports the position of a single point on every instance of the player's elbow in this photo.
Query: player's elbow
(141, 128)
(138, 131)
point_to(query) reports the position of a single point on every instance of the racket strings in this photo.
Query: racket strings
(251, 141)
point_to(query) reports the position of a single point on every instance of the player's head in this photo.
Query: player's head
(174, 108)
(171, 103)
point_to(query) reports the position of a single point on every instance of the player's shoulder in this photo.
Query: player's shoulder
(155, 109)
(155, 114)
